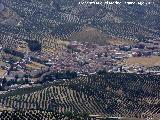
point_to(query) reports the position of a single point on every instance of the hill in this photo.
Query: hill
(89, 34)
(66, 19)
(120, 95)
(94, 35)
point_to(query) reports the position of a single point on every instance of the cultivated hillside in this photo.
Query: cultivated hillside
(66, 18)
(123, 95)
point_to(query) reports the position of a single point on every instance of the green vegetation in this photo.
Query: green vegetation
(46, 115)
(51, 76)
(34, 45)
(14, 59)
(110, 94)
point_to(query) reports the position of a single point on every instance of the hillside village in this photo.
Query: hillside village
(101, 59)
(27, 66)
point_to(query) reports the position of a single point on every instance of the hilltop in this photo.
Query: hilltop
(89, 34)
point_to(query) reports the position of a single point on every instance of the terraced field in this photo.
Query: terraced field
(120, 95)
(58, 98)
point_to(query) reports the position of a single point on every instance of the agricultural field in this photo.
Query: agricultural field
(121, 95)
(5, 14)
(144, 61)
(35, 65)
(120, 41)
(5, 109)
(2, 72)
(66, 20)
(45, 115)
